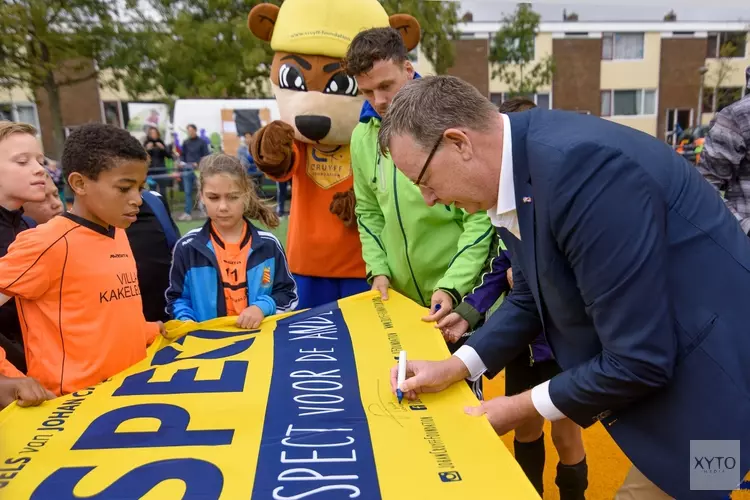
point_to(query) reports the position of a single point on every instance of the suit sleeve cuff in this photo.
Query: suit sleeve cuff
(473, 362)
(543, 403)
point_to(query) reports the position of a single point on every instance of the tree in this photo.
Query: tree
(49, 44)
(195, 49)
(512, 53)
(437, 21)
(670, 16)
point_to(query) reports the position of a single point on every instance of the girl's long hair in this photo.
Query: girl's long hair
(255, 208)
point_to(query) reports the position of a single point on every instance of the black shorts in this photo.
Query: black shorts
(521, 375)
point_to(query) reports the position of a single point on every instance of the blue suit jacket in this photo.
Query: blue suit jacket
(640, 278)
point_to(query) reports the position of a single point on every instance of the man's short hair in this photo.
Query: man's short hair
(192, 126)
(371, 46)
(95, 147)
(426, 107)
(516, 104)
(8, 128)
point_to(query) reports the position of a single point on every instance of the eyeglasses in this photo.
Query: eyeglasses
(429, 159)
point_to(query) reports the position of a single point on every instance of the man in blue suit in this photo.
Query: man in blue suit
(623, 255)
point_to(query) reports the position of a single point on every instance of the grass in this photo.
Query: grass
(279, 232)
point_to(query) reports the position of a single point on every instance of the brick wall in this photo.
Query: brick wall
(679, 78)
(575, 85)
(470, 63)
(79, 104)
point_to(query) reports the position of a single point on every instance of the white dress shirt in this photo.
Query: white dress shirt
(504, 215)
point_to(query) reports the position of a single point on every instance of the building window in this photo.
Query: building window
(727, 96)
(628, 102)
(737, 39)
(619, 46)
(541, 100)
(19, 112)
(6, 112)
(724, 97)
(113, 113)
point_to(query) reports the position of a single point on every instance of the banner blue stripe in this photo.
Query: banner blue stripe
(316, 441)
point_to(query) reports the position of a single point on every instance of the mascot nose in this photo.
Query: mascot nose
(314, 127)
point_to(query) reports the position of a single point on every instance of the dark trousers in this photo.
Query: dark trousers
(281, 189)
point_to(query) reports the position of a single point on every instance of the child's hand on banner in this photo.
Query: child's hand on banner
(442, 305)
(26, 391)
(453, 327)
(251, 317)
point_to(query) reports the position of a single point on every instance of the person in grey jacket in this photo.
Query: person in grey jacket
(725, 160)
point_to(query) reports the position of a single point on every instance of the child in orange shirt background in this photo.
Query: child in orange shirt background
(75, 278)
(229, 267)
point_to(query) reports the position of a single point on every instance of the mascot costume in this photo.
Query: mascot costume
(319, 106)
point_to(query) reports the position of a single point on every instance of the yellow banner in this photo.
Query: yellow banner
(300, 408)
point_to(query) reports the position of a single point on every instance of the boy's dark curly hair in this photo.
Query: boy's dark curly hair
(95, 147)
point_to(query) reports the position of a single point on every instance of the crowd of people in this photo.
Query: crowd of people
(590, 234)
(188, 155)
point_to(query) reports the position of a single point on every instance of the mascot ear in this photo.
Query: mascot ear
(262, 20)
(408, 27)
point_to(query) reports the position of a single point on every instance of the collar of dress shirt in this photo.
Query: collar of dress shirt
(506, 195)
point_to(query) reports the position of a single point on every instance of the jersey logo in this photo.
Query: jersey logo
(266, 276)
(328, 169)
(119, 256)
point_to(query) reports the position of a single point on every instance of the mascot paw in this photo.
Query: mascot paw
(272, 148)
(342, 206)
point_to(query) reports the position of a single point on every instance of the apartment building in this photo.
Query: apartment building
(651, 76)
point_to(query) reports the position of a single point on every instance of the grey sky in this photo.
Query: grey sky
(617, 10)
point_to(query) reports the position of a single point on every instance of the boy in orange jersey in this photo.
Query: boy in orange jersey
(75, 278)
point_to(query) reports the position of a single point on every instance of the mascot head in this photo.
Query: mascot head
(310, 38)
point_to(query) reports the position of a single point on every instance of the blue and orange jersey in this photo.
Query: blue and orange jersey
(199, 276)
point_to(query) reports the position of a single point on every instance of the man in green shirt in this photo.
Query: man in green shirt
(432, 254)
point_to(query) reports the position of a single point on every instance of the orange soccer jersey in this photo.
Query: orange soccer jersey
(78, 301)
(232, 259)
(318, 243)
